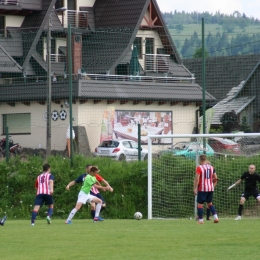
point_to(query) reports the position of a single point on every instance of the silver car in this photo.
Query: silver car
(123, 149)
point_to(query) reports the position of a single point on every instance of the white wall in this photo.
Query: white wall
(90, 116)
(88, 3)
(37, 138)
(13, 20)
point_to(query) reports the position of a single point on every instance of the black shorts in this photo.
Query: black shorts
(247, 193)
(43, 198)
(204, 196)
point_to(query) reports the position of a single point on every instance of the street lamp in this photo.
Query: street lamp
(48, 127)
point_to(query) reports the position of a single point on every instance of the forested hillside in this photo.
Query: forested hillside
(224, 34)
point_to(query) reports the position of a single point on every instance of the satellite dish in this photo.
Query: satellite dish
(66, 104)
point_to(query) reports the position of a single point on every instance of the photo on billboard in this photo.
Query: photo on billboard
(151, 122)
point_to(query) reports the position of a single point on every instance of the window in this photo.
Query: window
(71, 4)
(138, 44)
(17, 123)
(109, 144)
(134, 145)
(126, 144)
(149, 45)
(149, 49)
(2, 26)
(59, 4)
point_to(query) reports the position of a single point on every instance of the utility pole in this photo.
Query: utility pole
(48, 128)
(49, 87)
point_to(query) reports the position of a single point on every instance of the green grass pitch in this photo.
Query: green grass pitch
(130, 239)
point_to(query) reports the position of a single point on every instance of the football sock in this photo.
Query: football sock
(34, 215)
(72, 213)
(212, 209)
(200, 212)
(50, 212)
(98, 208)
(92, 213)
(240, 208)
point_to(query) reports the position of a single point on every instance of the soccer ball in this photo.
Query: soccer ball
(63, 114)
(55, 115)
(138, 215)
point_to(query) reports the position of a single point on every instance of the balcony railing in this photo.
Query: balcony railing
(77, 19)
(57, 57)
(10, 2)
(101, 77)
(152, 79)
(156, 63)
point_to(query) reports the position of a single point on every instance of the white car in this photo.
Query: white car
(123, 149)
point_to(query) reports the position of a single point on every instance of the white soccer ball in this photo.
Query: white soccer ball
(138, 215)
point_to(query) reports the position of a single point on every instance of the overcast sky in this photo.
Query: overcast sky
(249, 7)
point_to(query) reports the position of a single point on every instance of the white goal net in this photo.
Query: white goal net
(172, 160)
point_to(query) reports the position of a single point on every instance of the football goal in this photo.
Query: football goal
(172, 160)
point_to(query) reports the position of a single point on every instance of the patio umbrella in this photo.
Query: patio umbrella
(134, 63)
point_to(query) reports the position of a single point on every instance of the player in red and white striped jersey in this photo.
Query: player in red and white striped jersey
(205, 180)
(44, 185)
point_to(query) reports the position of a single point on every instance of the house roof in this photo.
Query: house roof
(103, 90)
(116, 26)
(7, 63)
(238, 105)
(32, 4)
(231, 103)
(223, 73)
(32, 91)
(145, 91)
(13, 43)
(177, 70)
(34, 20)
(113, 29)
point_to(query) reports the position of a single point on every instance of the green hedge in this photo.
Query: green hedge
(172, 192)
(17, 192)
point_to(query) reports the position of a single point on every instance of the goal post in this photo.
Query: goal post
(172, 160)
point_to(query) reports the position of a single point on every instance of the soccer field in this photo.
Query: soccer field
(130, 239)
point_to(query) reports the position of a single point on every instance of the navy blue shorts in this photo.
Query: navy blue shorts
(43, 198)
(98, 195)
(204, 196)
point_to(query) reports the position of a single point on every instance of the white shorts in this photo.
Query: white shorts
(84, 198)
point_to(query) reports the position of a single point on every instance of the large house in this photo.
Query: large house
(124, 63)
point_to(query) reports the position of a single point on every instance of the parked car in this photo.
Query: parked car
(188, 149)
(249, 144)
(224, 145)
(123, 149)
